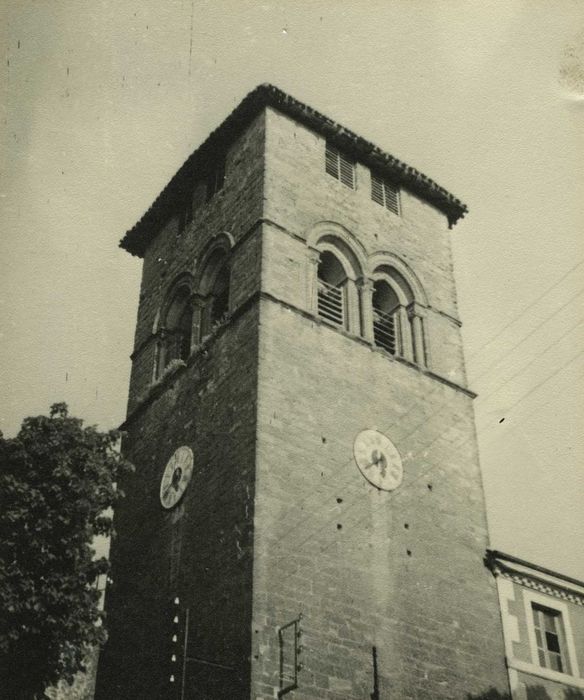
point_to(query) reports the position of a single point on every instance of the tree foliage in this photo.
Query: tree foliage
(57, 479)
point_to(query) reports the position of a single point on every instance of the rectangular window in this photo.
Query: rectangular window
(549, 635)
(384, 193)
(216, 179)
(340, 166)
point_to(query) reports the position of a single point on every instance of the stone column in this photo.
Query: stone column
(406, 348)
(198, 303)
(365, 286)
(160, 352)
(352, 313)
(416, 314)
(313, 258)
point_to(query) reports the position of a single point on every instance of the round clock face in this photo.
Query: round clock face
(176, 477)
(378, 460)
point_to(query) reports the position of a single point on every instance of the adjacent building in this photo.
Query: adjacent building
(543, 625)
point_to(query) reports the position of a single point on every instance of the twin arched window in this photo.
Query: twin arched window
(382, 308)
(192, 311)
(174, 334)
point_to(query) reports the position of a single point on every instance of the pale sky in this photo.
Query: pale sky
(103, 101)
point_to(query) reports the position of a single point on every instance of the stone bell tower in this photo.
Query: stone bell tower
(306, 516)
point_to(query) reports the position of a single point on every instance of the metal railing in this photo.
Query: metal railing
(385, 329)
(331, 303)
(289, 641)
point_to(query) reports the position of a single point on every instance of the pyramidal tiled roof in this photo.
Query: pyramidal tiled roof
(139, 236)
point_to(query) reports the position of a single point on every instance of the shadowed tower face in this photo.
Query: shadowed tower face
(306, 515)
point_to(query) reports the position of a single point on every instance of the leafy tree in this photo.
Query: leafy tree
(57, 479)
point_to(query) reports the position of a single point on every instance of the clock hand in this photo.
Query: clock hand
(371, 464)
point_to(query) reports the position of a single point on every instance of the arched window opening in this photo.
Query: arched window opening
(214, 291)
(331, 289)
(175, 335)
(219, 299)
(398, 306)
(386, 322)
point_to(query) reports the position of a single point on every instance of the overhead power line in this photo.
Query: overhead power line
(526, 308)
(298, 506)
(544, 381)
(484, 397)
(405, 487)
(552, 315)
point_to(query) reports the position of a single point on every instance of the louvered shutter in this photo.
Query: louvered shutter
(339, 166)
(376, 189)
(347, 171)
(391, 198)
(385, 193)
(332, 161)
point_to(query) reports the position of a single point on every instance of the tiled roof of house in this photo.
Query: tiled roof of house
(139, 236)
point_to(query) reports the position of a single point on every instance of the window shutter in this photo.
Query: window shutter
(376, 189)
(392, 198)
(340, 166)
(385, 193)
(347, 171)
(332, 161)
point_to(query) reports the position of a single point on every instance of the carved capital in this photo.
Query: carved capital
(366, 285)
(416, 310)
(313, 256)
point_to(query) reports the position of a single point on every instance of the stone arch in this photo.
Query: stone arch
(385, 263)
(328, 235)
(398, 308)
(335, 280)
(184, 280)
(213, 284)
(218, 248)
(173, 324)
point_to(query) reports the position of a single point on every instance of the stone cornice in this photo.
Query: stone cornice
(138, 238)
(535, 578)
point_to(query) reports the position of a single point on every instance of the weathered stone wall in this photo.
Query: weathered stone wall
(277, 520)
(209, 406)
(299, 195)
(402, 572)
(235, 210)
(199, 552)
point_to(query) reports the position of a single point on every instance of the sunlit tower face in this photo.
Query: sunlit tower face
(319, 402)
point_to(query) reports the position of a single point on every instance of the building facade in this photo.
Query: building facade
(543, 625)
(307, 513)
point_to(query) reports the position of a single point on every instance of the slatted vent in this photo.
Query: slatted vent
(384, 330)
(340, 166)
(385, 193)
(330, 302)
